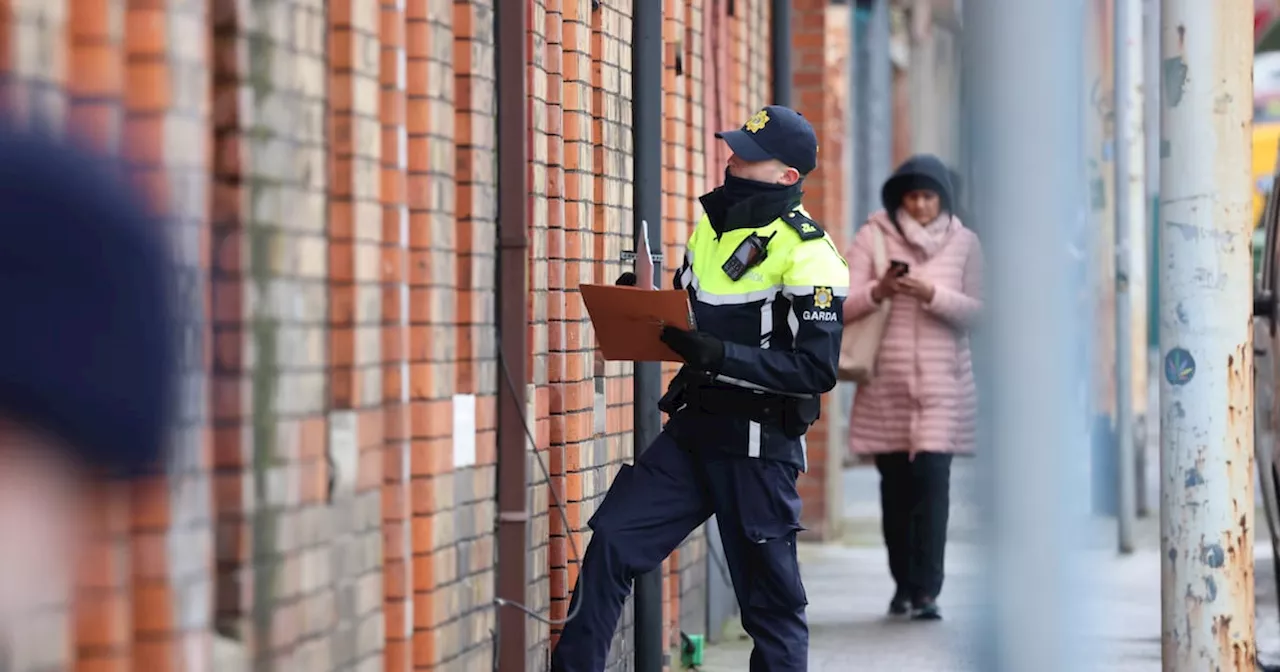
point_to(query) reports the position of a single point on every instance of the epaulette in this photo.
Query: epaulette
(806, 227)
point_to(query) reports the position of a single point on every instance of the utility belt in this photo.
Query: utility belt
(793, 415)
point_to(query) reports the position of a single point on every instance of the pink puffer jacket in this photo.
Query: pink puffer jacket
(923, 398)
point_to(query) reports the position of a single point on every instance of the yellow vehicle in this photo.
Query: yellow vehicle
(1266, 126)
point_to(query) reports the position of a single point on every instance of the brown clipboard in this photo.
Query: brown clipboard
(628, 321)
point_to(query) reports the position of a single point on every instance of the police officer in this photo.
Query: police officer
(766, 284)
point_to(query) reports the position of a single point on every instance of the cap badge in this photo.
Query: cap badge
(757, 121)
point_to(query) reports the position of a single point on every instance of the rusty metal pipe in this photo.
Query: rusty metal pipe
(1206, 340)
(512, 58)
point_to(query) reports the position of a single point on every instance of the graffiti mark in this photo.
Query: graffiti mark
(1210, 589)
(1175, 79)
(1213, 556)
(1192, 232)
(1179, 366)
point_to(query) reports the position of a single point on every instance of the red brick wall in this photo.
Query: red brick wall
(331, 180)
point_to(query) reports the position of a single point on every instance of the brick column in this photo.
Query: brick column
(560, 422)
(102, 615)
(540, 204)
(356, 441)
(397, 574)
(580, 266)
(229, 415)
(165, 51)
(824, 189)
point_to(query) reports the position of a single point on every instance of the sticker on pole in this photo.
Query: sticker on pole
(1179, 366)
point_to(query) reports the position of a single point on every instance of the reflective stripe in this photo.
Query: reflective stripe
(840, 291)
(804, 453)
(720, 377)
(765, 294)
(753, 439)
(766, 324)
(686, 272)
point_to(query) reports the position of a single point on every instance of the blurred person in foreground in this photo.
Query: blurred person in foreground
(920, 408)
(87, 355)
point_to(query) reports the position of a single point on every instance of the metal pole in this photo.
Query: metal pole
(856, 101)
(780, 49)
(646, 97)
(880, 121)
(1206, 440)
(1127, 115)
(1024, 60)
(1151, 177)
(874, 104)
(511, 30)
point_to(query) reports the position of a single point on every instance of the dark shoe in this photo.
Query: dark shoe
(926, 610)
(900, 605)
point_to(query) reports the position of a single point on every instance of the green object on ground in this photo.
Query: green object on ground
(692, 649)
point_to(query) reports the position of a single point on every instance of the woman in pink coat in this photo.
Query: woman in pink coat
(920, 408)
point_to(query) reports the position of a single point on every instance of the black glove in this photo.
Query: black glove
(627, 279)
(700, 349)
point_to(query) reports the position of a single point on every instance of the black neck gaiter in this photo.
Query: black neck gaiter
(739, 189)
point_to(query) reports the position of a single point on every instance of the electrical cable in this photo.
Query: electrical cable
(562, 509)
(560, 506)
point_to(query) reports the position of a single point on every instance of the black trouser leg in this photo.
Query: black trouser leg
(758, 509)
(895, 516)
(930, 510)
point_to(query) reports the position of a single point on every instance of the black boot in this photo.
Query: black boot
(900, 605)
(925, 609)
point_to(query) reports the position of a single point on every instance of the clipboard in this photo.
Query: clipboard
(629, 320)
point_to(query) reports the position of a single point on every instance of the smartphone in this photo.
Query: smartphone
(899, 268)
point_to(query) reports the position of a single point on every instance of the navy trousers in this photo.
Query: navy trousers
(651, 507)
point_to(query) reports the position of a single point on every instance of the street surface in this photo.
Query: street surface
(849, 588)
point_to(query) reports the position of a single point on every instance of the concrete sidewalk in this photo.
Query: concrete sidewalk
(849, 588)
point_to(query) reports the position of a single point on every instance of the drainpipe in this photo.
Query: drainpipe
(511, 28)
(780, 46)
(879, 105)
(872, 100)
(646, 96)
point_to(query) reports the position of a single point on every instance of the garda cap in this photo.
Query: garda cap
(91, 354)
(776, 132)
